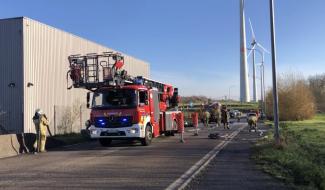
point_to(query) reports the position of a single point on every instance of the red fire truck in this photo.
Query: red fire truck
(122, 106)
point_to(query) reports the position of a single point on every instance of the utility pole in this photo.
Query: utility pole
(262, 84)
(274, 79)
(262, 97)
(229, 91)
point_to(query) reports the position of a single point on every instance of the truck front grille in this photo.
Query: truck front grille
(113, 121)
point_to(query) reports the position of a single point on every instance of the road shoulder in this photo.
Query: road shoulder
(232, 168)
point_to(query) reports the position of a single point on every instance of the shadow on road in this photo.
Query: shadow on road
(94, 145)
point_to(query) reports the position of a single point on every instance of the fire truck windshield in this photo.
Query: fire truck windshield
(114, 98)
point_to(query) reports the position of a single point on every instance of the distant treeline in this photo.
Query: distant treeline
(196, 100)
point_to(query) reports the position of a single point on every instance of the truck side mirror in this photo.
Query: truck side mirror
(88, 99)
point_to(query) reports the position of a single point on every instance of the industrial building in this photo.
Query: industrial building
(33, 71)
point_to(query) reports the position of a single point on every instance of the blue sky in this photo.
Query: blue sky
(190, 43)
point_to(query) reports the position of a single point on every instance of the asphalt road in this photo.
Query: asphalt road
(125, 165)
(233, 169)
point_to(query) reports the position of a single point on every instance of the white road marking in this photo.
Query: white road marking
(192, 130)
(190, 174)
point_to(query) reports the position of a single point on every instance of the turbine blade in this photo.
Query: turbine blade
(263, 48)
(251, 50)
(252, 30)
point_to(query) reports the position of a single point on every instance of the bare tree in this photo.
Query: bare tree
(317, 86)
(70, 116)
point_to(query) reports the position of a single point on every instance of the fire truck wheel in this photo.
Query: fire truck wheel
(105, 142)
(169, 133)
(147, 140)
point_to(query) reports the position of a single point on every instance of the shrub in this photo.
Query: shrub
(296, 101)
(70, 115)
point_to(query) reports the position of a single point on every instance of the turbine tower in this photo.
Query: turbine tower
(253, 54)
(244, 83)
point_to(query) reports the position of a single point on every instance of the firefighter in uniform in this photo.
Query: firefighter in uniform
(225, 117)
(206, 118)
(201, 115)
(41, 126)
(252, 122)
(217, 114)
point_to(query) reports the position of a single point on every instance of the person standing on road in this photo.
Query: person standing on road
(41, 126)
(201, 114)
(238, 115)
(206, 118)
(225, 117)
(257, 113)
(252, 122)
(217, 114)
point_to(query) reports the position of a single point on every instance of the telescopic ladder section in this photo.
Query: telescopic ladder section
(166, 92)
(92, 71)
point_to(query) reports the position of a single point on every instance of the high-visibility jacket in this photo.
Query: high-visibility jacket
(41, 124)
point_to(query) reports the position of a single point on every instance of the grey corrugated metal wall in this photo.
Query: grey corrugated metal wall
(11, 53)
(45, 65)
(41, 59)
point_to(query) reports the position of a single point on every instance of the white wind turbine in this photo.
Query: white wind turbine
(244, 82)
(254, 46)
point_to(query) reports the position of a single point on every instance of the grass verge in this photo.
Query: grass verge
(300, 158)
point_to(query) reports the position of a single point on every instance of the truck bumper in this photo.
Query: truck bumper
(135, 131)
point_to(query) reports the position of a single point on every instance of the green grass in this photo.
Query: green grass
(300, 158)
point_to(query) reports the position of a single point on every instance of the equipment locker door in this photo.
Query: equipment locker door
(154, 111)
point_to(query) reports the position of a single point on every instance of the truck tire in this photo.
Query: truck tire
(105, 142)
(148, 136)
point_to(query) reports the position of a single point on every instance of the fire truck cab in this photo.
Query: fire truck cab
(124, 107)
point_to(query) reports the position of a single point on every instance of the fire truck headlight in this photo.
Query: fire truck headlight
(94, 132)
(133, 130)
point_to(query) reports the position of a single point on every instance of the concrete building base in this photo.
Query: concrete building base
(15, 144)
(9, 145)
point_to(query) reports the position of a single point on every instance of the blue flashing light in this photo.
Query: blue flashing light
(101, 122)
(138, 81)
(124, 119)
